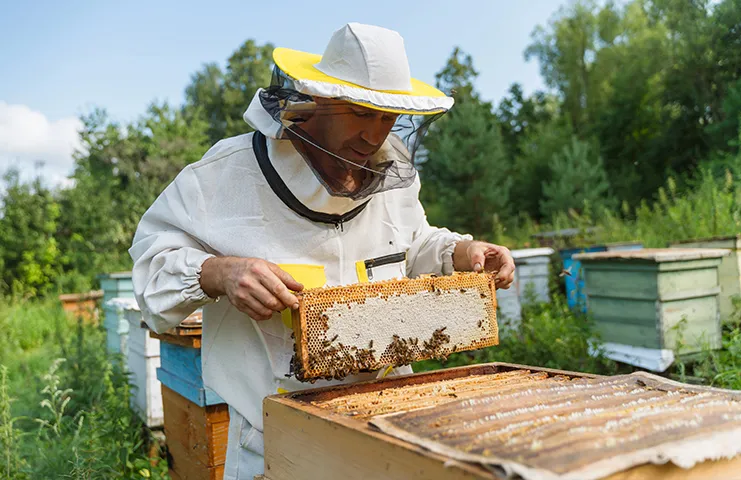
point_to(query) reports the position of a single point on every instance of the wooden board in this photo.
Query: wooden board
(303, 441)
(181, 370)
(196, 436)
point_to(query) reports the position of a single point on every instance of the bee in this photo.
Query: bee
(565, 272)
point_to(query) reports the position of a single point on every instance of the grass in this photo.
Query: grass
(64, 402)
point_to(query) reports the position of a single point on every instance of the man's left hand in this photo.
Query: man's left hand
(479, 256)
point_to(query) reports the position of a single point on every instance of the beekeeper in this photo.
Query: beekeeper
(321, 193)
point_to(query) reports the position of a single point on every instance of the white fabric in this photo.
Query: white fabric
(244, 459)
(369, 56)
(223, 206)
(412, 103)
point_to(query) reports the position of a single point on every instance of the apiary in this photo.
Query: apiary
(504, 421)
(196, 419)
(368, 326)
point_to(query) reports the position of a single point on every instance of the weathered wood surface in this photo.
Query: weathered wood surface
(303, 441)
(196, 436)
(729, 271)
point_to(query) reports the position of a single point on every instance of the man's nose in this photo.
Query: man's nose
(373, 133)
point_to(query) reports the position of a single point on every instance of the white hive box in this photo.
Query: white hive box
(143, 359)
(533, 269)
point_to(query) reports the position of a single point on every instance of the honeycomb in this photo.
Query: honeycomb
(341, 331)
(363, 406)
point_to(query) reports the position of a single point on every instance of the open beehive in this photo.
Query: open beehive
(505, 421)
(368, 326)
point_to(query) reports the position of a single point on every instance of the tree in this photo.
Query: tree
(531, 167)
(30, 259)
(518, 115)
(578, 178)
(221, 98)
(464, 174)
(118, 174)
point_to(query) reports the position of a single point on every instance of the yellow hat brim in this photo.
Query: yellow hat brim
(300, 65)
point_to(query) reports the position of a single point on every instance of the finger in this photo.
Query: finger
(477, 257)
(265, 296)
(277, 289)
(286, 278)
(244, 308)
(262, 311)
(503, 261)
(504, 282)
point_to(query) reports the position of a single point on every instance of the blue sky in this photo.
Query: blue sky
(61, 59)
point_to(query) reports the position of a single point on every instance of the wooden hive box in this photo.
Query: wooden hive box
(660, 299)
(332, 433)
(196, 437)
(729, 271)
(82, 305)
(196, 419)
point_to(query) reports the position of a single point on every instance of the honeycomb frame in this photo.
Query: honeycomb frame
(316, 356)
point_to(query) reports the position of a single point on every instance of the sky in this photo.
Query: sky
(60, 60)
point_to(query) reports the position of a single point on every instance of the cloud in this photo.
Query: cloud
(28, 137)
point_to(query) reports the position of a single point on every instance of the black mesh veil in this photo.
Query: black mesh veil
(391, 167)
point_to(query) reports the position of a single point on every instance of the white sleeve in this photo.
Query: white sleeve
(168, 252)
(432, 247)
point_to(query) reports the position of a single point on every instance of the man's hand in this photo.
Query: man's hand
(256, 287)
(481, 256)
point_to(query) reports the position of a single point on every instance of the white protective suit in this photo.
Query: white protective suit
(223, 206)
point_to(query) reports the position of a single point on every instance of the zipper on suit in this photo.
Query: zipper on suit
(339, 230)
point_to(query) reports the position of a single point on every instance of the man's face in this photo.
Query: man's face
(348, 130)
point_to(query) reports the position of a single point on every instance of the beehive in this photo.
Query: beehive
(368, 326)
(498, 421)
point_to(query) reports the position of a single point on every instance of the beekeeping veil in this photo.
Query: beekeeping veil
(363, 65)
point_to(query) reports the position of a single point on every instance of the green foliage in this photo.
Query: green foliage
(578, 178)
(70, 415)
(29, 254)
(464, 172)
(219, 98)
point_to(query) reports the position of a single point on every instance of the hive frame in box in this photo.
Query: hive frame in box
(305, 442)
(471, 295)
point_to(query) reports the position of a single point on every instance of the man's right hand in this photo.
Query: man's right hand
(256, 287)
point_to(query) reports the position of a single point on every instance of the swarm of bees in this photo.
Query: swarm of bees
(343, 361)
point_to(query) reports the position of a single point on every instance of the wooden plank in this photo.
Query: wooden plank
(202, 431)
(655, 254)
(302, 446)
(623, 311)
(333, 391)
(190, 341)
(636, 335)
(201, 396)
(305, 442)
(724, 468)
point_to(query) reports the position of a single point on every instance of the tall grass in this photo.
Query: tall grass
(64, 402)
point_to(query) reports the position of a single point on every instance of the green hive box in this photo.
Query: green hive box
(729, 270)
(639, 297)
